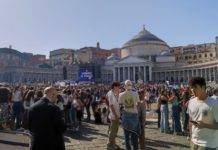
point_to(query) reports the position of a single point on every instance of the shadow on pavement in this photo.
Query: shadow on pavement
(85, 133)
(164, 144)
(14, 143)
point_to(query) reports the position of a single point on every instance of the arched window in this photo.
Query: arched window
(211, 55)
(195, 57)
(205, 55)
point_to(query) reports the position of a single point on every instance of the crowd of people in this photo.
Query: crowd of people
(15, 102)
(117, 104)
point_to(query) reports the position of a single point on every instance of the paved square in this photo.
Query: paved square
(92, 136)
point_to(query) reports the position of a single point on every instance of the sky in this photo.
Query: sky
(39, 26)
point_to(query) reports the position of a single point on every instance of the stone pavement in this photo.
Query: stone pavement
(95, 137)
(92, 136)
(13, 141)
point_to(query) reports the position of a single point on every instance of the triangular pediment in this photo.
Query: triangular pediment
(132, 60)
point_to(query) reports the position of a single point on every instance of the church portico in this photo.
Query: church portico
(134, 69)
(184, 74)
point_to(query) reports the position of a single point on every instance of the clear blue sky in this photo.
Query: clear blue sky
(40, 26)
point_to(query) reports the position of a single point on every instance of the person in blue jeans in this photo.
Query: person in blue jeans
(17, 106)
(131, 136)
(130, 101)
(164, 121)
(176, 109)
(185, 117)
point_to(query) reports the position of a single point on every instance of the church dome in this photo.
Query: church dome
(144, 43)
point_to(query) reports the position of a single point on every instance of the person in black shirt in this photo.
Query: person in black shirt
(46, 123)
(88, 103)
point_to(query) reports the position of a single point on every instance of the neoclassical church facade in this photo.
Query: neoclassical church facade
(147, 58)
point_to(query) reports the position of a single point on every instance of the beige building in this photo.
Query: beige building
(62, 57)
(193, 54)
(16, 67)
(95, 55)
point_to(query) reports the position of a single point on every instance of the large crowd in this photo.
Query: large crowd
(115, 104)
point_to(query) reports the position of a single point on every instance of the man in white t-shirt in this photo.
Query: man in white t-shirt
(114, 115)
(203, 116)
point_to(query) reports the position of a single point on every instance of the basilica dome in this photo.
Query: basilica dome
(144, 44)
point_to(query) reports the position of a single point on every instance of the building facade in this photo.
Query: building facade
(148, 58)
(144, 58)
(17, 67)
(95, 55)
(62, 57)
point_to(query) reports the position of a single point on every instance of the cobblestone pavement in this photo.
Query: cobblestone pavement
(92, 136)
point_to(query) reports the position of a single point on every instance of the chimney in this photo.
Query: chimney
(98, 45)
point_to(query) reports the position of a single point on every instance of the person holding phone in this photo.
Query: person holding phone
(203, 112)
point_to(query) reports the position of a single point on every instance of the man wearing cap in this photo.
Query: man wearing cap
(130, 120)
(46, 123)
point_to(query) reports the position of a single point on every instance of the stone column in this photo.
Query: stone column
(140, 73)
(178, 73)
(128, 73)
(159, 76)
(145, 74)
(124, 74)
(150, 73)
(118, 70)
(197, 73)
(214, 75)
(201, 72)
(188, 75)
(114, 73)
(134, 73)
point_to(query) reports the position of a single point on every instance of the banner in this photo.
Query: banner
(85, 75)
